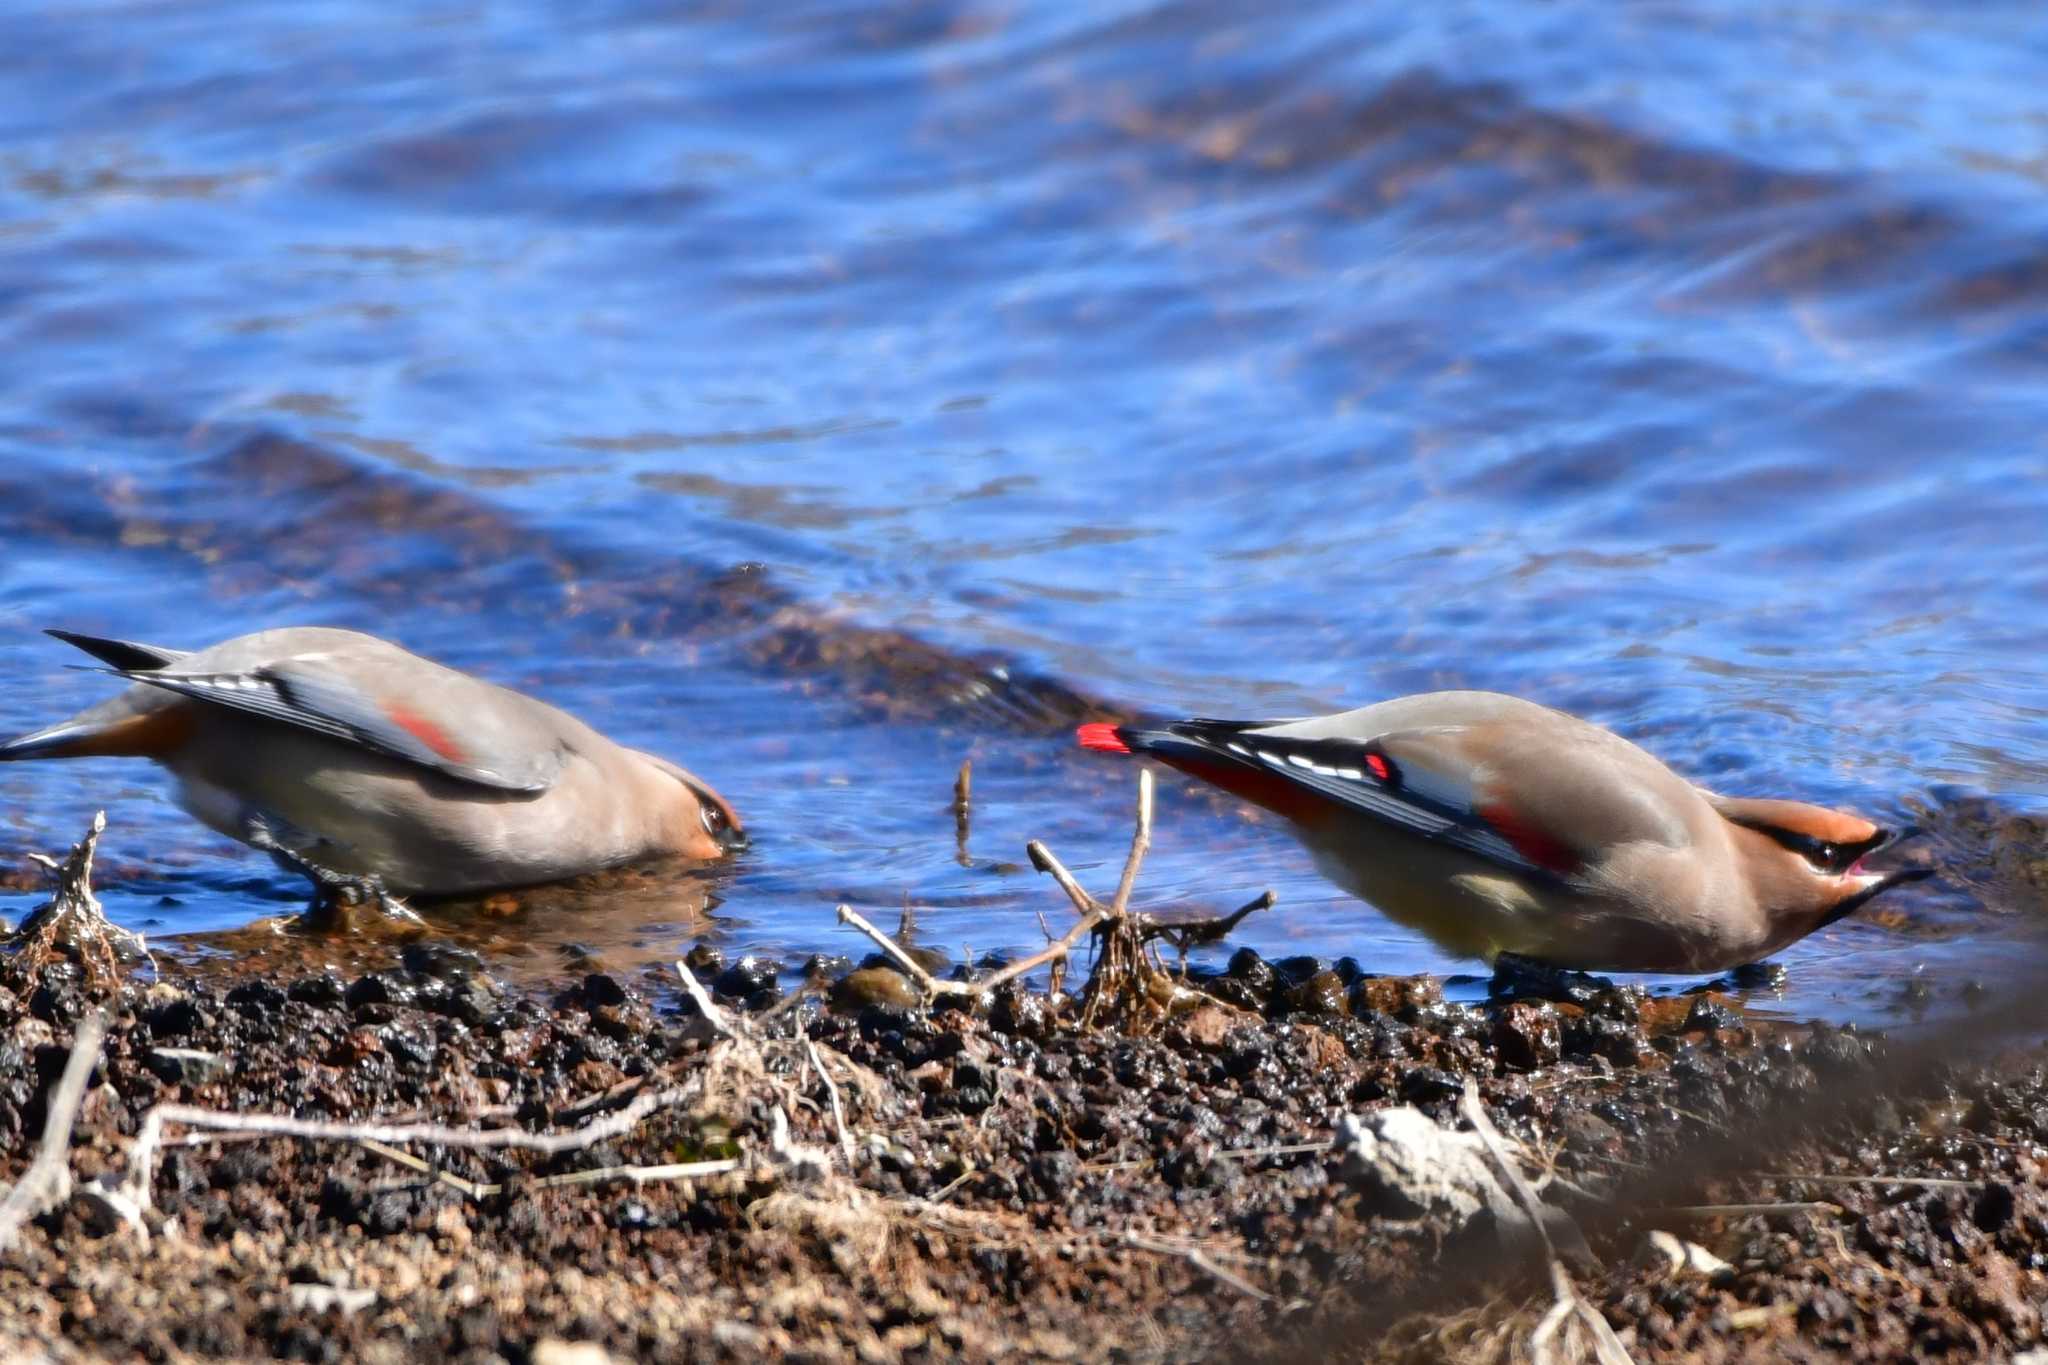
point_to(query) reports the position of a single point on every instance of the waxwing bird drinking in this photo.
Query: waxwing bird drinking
(1497, 826)
(366, 766)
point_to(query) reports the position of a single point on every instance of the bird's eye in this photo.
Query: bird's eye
(1826, 857)
(712, 817)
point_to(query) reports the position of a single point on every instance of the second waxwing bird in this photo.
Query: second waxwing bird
(1497, 826)
(352, 755)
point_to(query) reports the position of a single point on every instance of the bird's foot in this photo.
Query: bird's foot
(337, 896)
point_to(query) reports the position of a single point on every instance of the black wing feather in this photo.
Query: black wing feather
(126, 656)
(1385, 801)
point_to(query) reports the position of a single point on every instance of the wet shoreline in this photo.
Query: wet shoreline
(1008, 1180)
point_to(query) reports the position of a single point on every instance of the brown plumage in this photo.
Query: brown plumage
(1495, 825)
(370, 761)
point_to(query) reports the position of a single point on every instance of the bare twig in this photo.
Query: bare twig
(930, 984)
(1042, 858)
(1195, 1257)
(1122, 935)
(1141, 840)
(955, 1183)
(1607, 1347)
(1057, 950)
(1931, 1182)
(47, 1182)
(713, 1015)
(963, 807)
(1187, 934)
(832, 1091)
(130, 1196)
(74, 918)
(596, 1175)
(1747, 1210)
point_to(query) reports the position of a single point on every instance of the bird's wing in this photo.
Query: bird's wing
(394, 703)
(1541, 810)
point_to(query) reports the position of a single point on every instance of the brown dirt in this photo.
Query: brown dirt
(1019, 1187)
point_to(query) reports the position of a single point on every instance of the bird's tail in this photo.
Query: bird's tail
(109, 730)
(1209, 750)
(1181, 736)
(66, 740)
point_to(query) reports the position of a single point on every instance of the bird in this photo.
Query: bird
(365, 766)
(1506, 831)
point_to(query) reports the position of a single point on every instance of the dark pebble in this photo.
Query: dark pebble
(752, 979)
(1322, 994)
(441, 962)
(1526, 1035)
(1994, 1207)
(1599, 1035)
(1710, 1015)
(602, 988)
(325, 990)
(1020, 1013)
(1293, 971)
(1251, 969)
(378, 988)
(185, 1066)
(1056, 1173)
(174, 1019)
(1424, 1084)
(825, 966)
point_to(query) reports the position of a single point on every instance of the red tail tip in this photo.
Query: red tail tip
(1102, 738)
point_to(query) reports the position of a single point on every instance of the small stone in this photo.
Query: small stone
(1526, 1035)
(173, 1018)
(256, 998)
(1399, 996)
(875, 986)
(1020, 1013)
(321, 1298)
(1711, 1015)
(1675, 1256)
(824, 966)
(1251, 969)
(325, 989)
(1421, 1084)
(1207, 1026)
(1598, 1035)
(1321, 994)
(1295, 970)
(751, 979)
(441, 962)
(378, 988)
(1055, 1173)
(602, 988)
(185, 1065)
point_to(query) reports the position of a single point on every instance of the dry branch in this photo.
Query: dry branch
(73, 919)
(47, 1183)
(1126, 971)
(1607, 1347)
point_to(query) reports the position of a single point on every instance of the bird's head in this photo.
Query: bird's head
(1806, 863)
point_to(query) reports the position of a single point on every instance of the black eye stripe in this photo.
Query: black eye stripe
(1828, 857)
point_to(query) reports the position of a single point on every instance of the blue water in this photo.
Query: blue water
(1678, 364)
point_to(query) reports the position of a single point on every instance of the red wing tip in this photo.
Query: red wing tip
(1102, 738)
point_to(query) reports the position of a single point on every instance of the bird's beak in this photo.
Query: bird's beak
(1864, 886)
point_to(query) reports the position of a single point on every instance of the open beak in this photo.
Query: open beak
(1870, 884)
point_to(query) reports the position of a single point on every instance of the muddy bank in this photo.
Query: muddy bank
(999, 1182)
